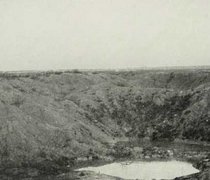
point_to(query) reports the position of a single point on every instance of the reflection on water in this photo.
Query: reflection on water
(145, 170)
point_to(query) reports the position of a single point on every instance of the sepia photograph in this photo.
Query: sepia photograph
(104, 90)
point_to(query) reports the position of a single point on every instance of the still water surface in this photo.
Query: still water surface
(145, 169)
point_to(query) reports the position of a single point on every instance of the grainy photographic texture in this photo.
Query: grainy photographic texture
(104, 89)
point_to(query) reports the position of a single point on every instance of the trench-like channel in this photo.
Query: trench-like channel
(147, 170)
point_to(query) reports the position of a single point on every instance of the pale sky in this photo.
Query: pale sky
(92, 34)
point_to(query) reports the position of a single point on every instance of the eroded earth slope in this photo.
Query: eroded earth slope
(59, 116)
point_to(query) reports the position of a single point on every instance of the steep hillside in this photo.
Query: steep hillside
(57, 116)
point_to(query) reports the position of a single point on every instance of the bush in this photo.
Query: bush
(76, 71)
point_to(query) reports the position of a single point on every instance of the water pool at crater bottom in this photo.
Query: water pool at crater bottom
(147, 170)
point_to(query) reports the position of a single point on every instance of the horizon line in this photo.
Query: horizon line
(112, 69)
